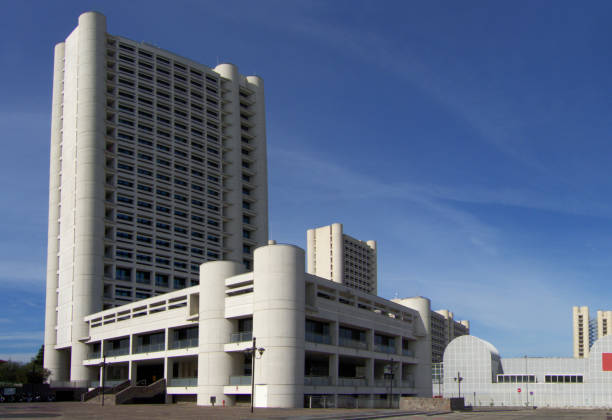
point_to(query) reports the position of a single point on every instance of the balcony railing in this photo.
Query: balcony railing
(183, 382)
(108, 383)
(184, 344)
(240, 380)
(94, 355)
(385, 382)
(382, 348)
(318, 338)
(149, 348)
(317, 380)
(408, 383)
(239, 337)
(349, 342)
(408, 352)
(352, 382)
(69, 384)
(121, 351)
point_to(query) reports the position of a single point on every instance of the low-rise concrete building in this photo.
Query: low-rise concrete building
(317, 338)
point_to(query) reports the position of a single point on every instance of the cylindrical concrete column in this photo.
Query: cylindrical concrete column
(52, 360)
(422, 348)
(233, 165)
(261, 159)
(311, 244)
(279, 323)
(337, 249)
(89, 200)
(214, 364)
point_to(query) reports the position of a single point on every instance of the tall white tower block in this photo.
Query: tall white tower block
(158, 164)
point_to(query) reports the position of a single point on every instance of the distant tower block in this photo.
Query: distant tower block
(342, 258)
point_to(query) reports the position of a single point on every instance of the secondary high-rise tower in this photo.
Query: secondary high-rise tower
(158, 164)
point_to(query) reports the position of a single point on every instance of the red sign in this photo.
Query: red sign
(606, 361)
(518, 390)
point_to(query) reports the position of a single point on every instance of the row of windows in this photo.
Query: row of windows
(148, 278)
(127, 67)
(547, 379)
(127, 117)
(516, 378)
(161, 225)
(179, 192)
(180, 68)
(162, 262)
(164, 150)
(167, 209)
(128, 167)
(162, 77)
(160, 242)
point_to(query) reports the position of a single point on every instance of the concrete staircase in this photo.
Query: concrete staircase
(95, 395)
(138, 393)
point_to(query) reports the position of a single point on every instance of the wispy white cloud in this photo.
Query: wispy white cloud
(22, 336)
(21, 274)
(495, 123)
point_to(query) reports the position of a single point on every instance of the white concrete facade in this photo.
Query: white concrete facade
(320, 338)
(341, 258)
(158, 164)
(487, 379)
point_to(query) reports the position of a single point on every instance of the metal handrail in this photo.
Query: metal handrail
(382, 348)
(122, 351)
(240, 380)
(352, 381)
(183, 344)
(183, 382)
(239, 337)
(317, 380)
(149, 348)
(318, 338)
(349, 342)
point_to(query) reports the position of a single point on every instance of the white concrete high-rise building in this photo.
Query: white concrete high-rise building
(587, 330)
(158, 164)
(580, 320)
(342, 258)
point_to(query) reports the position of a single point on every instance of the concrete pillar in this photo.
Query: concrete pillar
(422, 347)
(311, 241)
(214, 364)
(333, 369)
(233, 168)
(261, 159)
(337, 250)
(89, 200)
(279, 323)
(52, 360)
(369, 368)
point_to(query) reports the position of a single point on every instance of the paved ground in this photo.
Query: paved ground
(80, 411)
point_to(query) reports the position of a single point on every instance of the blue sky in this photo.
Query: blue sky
(470, 139)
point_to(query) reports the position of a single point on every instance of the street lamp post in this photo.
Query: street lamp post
(526, 383)
(458, 379)
(253, 352)
(389, 373)
(103, 374)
